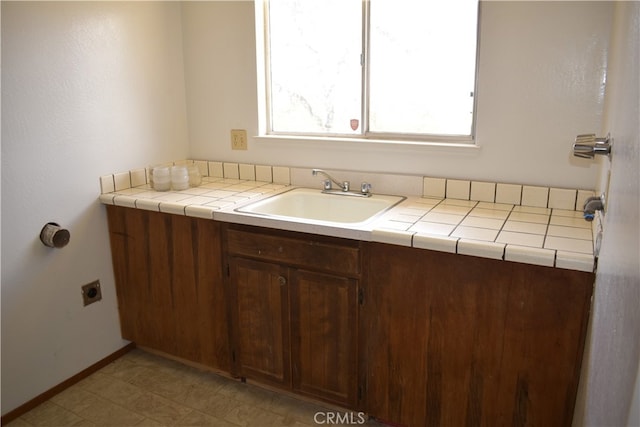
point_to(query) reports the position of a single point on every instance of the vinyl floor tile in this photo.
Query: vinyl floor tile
(144, 389)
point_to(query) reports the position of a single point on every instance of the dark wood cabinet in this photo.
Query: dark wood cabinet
(169, 284)
(410, 336)
(458, 340)
(295, 311)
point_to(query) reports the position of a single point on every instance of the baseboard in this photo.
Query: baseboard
(41, 398)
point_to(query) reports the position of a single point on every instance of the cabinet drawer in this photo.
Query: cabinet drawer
(310, 253)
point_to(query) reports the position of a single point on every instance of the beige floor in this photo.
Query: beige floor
(142, 389)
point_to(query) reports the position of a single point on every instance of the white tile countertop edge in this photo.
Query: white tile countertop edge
(469, 227)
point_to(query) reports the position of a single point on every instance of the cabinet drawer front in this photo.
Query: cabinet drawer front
(297, 252)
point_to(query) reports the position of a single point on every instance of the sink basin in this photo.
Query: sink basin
(313, 205)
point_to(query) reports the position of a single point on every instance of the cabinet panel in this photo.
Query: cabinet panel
(324, 339)
(121, 255)
(457, 340)
(432, 337)
(157, 305)
(142, 292)
(261, 320)
(544, 331)
(198, 292)
(169, 284)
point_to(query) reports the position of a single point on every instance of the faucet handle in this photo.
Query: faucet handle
(327, 184)
(365, 187)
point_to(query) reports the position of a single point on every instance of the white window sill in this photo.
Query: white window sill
(453, 144)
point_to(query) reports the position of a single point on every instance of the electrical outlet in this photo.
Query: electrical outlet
(238, 139)
(91, 292)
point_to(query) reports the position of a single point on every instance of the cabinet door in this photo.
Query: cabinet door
(260, 292)
(324, 339)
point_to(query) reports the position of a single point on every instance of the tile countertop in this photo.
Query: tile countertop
(533, 235)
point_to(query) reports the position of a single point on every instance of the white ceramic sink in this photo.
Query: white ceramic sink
(313, 205)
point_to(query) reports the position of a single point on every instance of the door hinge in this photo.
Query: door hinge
(360, 296)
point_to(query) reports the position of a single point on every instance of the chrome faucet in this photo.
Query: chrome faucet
(327, 184)
(344, 185)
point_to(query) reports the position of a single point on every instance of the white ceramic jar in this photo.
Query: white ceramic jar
(161, 178)
(179, 178)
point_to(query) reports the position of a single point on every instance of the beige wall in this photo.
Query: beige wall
(541, 82)
(88, 88)
(94, 88)
(612, 357)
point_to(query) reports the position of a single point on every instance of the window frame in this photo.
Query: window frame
(265, 129)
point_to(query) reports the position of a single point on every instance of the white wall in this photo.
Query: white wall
(612, 358)
(541, 82)
(88, 89)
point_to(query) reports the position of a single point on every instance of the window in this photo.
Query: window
(380, 69)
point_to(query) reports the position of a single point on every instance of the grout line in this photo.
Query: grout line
(546, 232)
